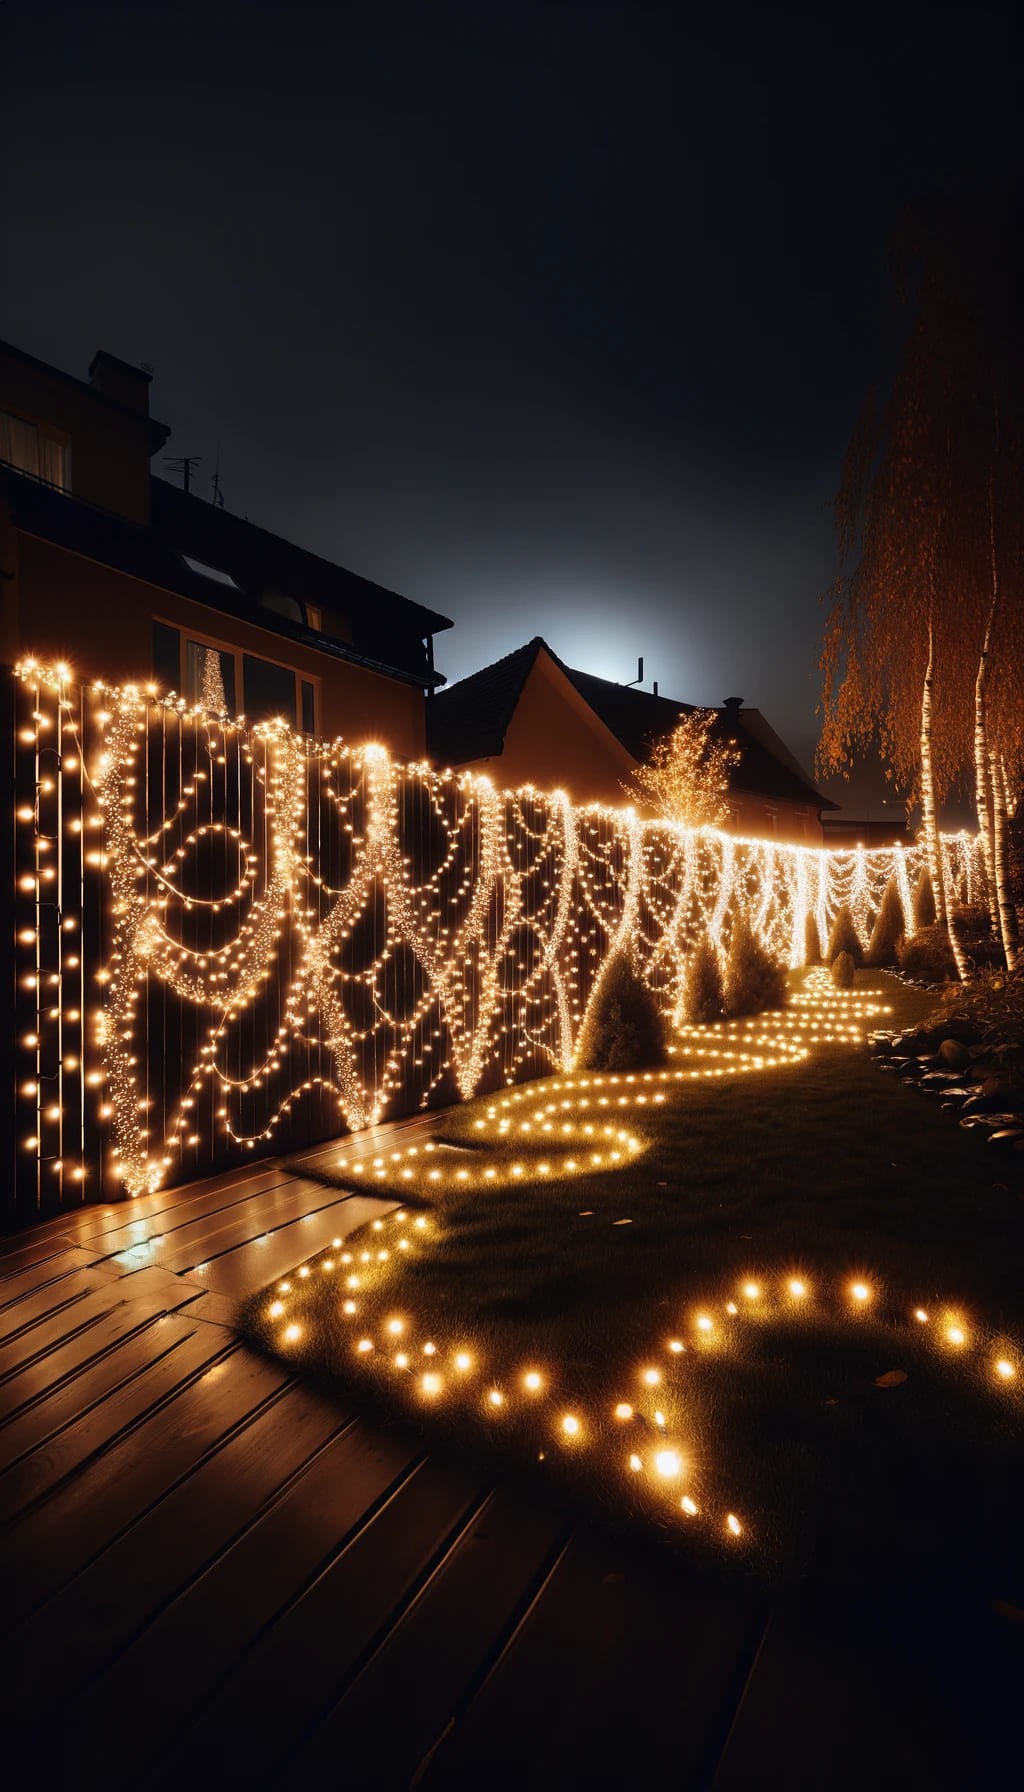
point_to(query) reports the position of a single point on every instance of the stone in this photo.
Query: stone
(955, 1054)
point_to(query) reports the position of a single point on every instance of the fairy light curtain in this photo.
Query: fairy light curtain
(231, 939)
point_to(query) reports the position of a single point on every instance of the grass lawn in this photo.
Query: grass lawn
(741, 1178)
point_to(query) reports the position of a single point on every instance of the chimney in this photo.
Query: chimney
(732, 707)
(115, 379)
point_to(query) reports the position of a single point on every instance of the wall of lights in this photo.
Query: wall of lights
(231, 940)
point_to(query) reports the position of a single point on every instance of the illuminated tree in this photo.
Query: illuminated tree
(687, 776)
(923, 650)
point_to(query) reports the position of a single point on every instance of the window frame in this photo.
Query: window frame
(57, 438)
(238, 656)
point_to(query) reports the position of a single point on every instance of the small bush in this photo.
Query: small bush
(843, 970)
(754, 980)
(812, 939)
(889, 929)
(843, 938)
(924, 901)
(703, 997)
(626, 1029)
(928, 955)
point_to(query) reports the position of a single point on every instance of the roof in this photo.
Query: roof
(469, 721)
(387, 629)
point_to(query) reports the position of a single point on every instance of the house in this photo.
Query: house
(128, 578)
(531, 719)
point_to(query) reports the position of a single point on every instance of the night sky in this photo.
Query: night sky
(556, 318)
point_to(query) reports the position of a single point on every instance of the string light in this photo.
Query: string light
(379, 927)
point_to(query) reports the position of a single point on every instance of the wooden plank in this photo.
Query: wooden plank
(459, 1620)
(307, 1657)
(611, 1636)
(19, 1250)
(249, 1267)
(133, 1343)
(58, 1365)
(74, 1316)
(64, 1291)
(82, 1628)
(57, 1539)
(135, 1229)
(835, 1699)
(212, 1237)
(36, 1277)
(162, 1681)
(66, 1453)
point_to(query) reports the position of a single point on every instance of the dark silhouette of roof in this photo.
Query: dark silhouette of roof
(469, 721)
(387, 631)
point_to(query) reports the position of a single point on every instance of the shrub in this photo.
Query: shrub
(703, 996)
(754, 980)
(928, 955)
(626, 1029)
(812, 939)
(843, 937)
(924, 901)
(889, 928)
(843, 970)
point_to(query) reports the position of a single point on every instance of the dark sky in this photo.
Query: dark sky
(554, 317)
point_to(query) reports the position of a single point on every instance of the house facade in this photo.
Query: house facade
(128, 578)
(531, 719)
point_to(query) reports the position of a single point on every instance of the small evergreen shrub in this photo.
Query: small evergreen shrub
(754, 980)
(626, 1029)
(843, 970)
(843, 938)
(889, 929)
(927, 955)
(703, 996)
(924, 901)
(812, 940)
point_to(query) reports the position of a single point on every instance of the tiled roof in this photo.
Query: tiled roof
(469, 720)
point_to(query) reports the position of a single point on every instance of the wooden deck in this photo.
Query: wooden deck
(213, 1574)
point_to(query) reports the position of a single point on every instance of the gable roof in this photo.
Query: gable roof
(469, 721)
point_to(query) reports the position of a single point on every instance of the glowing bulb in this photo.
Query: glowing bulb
(704, 1324)
(623, 1410)
(364, 1345)
(676, 1345)
(651, 1377)
(860, 1291)
(532, 1382)
(733, 1524)
(291, 1332)
(463, 1361)
(955, 1334)
(431, 1384)
(496, 1397)
(276, 1309)
(570, 1425)
(689, 1506)
(751, 1290)
(797, 1289)
(920, 1315)
(635, 1463)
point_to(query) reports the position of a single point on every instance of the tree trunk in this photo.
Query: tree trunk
(929, 821)
(984, 781)
(1006, 915)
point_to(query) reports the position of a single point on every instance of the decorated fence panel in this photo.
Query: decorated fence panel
(232, 940)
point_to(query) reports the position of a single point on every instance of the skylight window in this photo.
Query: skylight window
(216, 573)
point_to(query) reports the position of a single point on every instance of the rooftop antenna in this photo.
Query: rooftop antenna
(183, 464)
(218, 495)
(639, 679)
